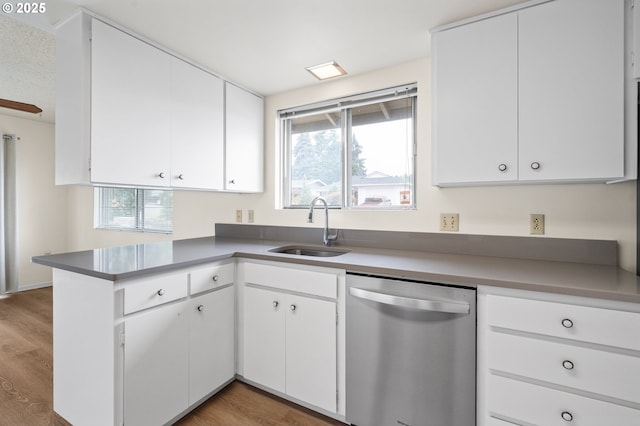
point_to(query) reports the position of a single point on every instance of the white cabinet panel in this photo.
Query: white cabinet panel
(538, 405)
(591, 370)
(475, 94)
(156, 365)
(211, 342)
(149, 292)
(130, 114)
(264, 337)
(197, 156)
(575, 322)
(244, 147)
(311, 351)
(571, 74)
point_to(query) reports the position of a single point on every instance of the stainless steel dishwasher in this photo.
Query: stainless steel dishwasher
(411, 353)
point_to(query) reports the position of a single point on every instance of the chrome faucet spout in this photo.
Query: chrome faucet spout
(326, 238)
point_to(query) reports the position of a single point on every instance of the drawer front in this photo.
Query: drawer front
(524, 402)
(210, 277)
(150, 292)
(322, 284)
(595, 325)
(591, 370)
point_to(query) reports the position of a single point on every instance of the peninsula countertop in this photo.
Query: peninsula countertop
(561, 277)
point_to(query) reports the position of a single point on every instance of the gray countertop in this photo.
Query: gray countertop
(562, 277)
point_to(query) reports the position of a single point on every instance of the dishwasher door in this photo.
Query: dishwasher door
(411, 353)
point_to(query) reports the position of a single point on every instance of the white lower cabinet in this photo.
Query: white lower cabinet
(556, 360)
(177, 353)
(211, 342)
(291, 339)
(156, 361)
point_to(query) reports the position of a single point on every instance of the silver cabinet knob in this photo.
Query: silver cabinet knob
(200, 308)
(160, 292)
(215, 278)
(535, 165)
(232, 181)
(276, 303)
(567, 416)
(181, 177)
(567, 323)
(292, 307)
(161, 175)
(567, 364)
(502, 167)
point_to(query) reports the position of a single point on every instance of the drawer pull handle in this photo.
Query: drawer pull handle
(200, 308)
(275, 303)
(160, 292)
(567, 323)
(215, 278)
(293, 308)
(567, 364)
(567, 416)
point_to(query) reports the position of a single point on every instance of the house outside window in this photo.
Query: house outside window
(133, 209)
(356, 152)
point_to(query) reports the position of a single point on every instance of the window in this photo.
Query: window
(356, 152)
(148, 210)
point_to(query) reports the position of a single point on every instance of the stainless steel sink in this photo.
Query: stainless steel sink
(313, 251)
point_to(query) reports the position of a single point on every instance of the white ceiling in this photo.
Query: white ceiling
(263, 45)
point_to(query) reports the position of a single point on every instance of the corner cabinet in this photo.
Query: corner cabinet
(292, 333)
(143, 351)
(549, 359)
(533, 94)
(129, 113)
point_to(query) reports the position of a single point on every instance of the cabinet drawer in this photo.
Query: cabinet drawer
(149, 292)
(210, 277)
(524, 402)
(316, 283)
(595, 325)
(591, 370)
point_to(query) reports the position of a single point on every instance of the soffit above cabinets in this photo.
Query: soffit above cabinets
(231, 37)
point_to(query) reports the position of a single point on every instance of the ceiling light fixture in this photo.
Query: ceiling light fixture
(325, 71)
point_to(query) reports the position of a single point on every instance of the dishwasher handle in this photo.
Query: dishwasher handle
(435, 305)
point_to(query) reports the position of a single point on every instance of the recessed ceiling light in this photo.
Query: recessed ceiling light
(325, 71)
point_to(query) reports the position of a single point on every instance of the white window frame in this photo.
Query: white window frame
(341, 105)
(140, 224)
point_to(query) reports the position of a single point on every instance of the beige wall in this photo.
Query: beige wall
(41, 206)
(572, 211)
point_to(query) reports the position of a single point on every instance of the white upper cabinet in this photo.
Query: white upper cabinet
(130, 113)
(476, 96)
(571, 77)
(532, 95)
(130, 110)
(244, 140)
(197, 156)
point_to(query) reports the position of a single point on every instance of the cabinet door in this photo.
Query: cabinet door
(156, 365)
(571, 65)
(264, 337)
(475, 91)
(197, 155)
(211, 342)
(311, 351)
(130, 114)
(244, 140)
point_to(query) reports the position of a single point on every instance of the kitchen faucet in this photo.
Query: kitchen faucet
(326, 238)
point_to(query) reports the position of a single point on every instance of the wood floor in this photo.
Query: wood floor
(26, 377)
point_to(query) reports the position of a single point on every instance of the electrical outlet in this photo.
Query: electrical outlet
(250, 216)
(239, 216)
(449, 222)
(536, 224)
